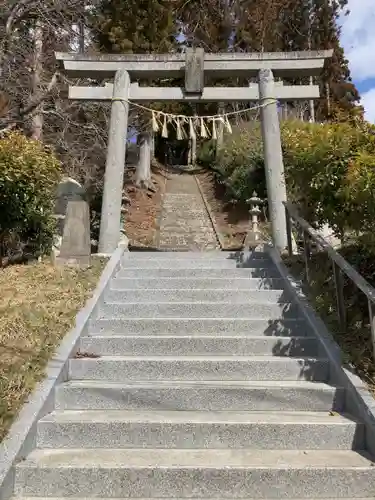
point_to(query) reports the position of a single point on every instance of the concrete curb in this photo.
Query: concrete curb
(359, 401)
(21, 437)
(210, 215)
(156, 238)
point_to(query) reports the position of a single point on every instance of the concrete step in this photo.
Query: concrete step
(197, 283)
(129, 498)
(196, 473)
(175, 245)
(192, 263)
(201, 273)
(202, 259)
(186, 310)
(195, 295)
(285, 327)
(189, 430)
(206, 255)
(197, 368)
(117, 345)
(199, 395)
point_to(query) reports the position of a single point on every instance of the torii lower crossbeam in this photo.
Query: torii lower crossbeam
(209, 94)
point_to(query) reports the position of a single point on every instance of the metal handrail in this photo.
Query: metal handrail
(339, 264)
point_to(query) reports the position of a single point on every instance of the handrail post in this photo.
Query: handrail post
(371, 308)
(288, 231)
(307, 254)
(339, 287)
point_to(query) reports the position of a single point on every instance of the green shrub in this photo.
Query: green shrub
(206, 154)
(330, 171)
(240, 165)
(242, 176)
(316, 159)
(29, 174)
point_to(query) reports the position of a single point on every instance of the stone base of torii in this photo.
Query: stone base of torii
(194, 64)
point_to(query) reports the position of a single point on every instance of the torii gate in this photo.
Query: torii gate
(195, 64)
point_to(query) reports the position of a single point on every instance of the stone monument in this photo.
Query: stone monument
(75, 247)
(67, 190)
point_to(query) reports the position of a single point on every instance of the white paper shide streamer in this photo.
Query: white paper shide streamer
(188, 126)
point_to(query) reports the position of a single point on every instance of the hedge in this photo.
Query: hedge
(330, 171)
(29, 174)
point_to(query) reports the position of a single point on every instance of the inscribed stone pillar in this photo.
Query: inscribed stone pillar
(273, 158)
(67, 190)
(76, 244)
(110, 223)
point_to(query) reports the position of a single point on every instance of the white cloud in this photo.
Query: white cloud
(368, 102)
(358, 40)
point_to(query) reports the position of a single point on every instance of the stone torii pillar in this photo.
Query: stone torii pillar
(273, 157)
(110, 224)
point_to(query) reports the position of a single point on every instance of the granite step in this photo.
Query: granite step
(199, 255)
(197, 283)
(200, 395)
(207, 473)
(201, 272)
(211, 258)
(192, 263)
(185, 310)
(175, 498)
(199, 430)
(195, 295)
(198, 368)
(249, 327)
(141, 345)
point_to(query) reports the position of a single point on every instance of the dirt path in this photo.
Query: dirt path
(142, 219)
(232, 222)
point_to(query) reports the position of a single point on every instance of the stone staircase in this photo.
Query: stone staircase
(198, 379)
(185, 224)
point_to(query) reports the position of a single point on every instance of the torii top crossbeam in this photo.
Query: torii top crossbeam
(282, 64)
(195, 64)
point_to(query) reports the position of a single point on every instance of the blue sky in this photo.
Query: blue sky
(358, 40)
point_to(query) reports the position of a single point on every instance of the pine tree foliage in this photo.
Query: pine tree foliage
(344, 97)
(208, 24)
(136, 26)
(259, 26)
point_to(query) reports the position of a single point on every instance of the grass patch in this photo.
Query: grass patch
(38, 305)
(355, 342)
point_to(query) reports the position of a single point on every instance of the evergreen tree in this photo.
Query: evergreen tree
(141, 26)
(293, 25)
(259, 25)
(207, 24)
(341, 97)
